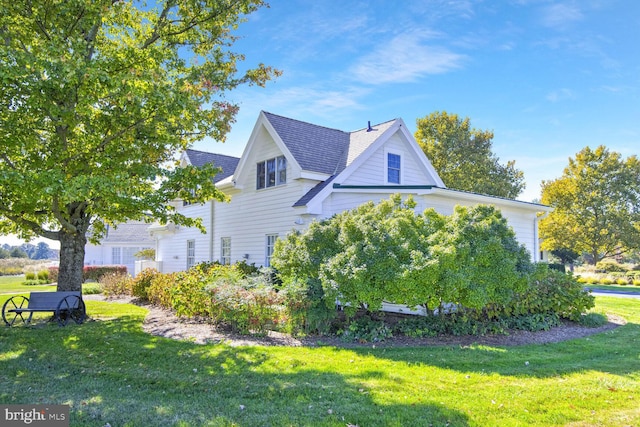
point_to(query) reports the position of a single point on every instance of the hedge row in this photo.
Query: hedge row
(92, 272)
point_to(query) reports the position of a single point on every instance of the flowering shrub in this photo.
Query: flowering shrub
(116, 284)
(142, 282)
(95, 272)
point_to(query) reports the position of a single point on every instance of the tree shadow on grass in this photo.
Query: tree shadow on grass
(112, 372)
(615, 352)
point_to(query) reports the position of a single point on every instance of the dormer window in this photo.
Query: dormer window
(393, 168)
(271, 172)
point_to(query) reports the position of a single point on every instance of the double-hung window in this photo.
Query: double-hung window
(225, 250)
(270, 245)
(191, 253)
(393, 168)
(272, 172)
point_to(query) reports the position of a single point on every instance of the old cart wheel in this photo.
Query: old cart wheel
(15, 303)
(71, 307)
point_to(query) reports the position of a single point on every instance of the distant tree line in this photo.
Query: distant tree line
(41, 250)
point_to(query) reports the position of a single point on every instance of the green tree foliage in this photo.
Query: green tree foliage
(596, 205)
(463, 158)
(97, 98)
(387, 252)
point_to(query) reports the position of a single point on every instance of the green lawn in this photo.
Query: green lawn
(13, 284)
(110, 371)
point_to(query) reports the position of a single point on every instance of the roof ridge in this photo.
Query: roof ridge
(210, 152)
(306, 123)
(377, 124)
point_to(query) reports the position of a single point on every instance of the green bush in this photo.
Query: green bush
(250, 305)
(609, 267)
(606, 281)
(365, 329)
(30, 275)
(550, 292)
(142, 282)
(33, 282)
(91, 288)
(636, 282)
(387, 252)
(622, 281)
(159, 291)
(43, 275)
(593, 320)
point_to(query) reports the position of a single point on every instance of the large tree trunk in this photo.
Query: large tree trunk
(71, 261)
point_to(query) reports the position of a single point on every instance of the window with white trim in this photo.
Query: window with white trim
(116, 255)
(394, 162)
(225, 250)
(191, 253)
(271, 172)
(270, 245)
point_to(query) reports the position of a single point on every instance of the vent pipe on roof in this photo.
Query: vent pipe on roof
(369, 128)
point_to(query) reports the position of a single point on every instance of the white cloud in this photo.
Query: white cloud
(560, 95)
(405, 58)
(560, 15)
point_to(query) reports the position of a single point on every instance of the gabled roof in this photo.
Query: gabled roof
(315, 148)
(128, 232)
(228, 164)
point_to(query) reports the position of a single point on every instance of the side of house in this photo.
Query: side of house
(292, 173)
(119, 245)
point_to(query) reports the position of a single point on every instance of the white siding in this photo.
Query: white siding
(373, 170)
(171, 249)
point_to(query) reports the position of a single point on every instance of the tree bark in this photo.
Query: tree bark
(71, 261)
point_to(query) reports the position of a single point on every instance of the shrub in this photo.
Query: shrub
(549, 292)
(43, 275)
(636, 282)
(115, 284)
(142, 282)
(53, 274)
(622, 281)
(159, 291)
(91, 288)
(249, 304)
(606, 281)
(365, 329)
(609, 267)
(95, 272)
(592, 320)
(30, 275)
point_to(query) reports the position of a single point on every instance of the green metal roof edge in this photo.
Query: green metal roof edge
(384, 187)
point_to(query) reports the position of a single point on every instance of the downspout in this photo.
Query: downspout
(536, 237)
(211, 230)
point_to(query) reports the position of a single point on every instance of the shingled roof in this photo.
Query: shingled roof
(228, 164)
(321, 149)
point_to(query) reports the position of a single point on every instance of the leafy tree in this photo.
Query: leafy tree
(463, 158)
(98, 97)
(4, 253)
(596, 205)
(42, 251)
(17, 252)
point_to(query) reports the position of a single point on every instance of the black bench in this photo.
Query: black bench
(65, 306)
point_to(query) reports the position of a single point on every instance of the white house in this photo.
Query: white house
(119, 245)
(292, 173)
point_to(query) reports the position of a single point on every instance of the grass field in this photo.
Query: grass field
(109, 371)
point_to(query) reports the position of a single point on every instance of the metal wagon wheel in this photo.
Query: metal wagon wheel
(71, 308)
(15, 303)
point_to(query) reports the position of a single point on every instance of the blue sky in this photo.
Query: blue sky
(548, 77)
